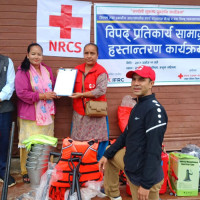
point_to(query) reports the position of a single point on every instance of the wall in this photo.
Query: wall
(182, 103)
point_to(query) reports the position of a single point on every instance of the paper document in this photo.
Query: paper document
(65, 82)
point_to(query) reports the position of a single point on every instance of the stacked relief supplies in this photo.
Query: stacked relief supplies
(39, 147)
(193, 150)
(184, 173)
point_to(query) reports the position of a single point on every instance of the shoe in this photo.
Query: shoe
(26, 178)
(103, 194)
(11, 181)
(115, 198)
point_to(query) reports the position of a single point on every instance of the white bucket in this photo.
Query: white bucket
(35, 174)
(38, 159)
(42, 151)
(38, 154)
(38, 147)
(37, 164)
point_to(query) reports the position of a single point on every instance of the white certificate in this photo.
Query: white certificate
(65, 82)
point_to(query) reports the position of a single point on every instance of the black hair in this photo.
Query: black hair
(25, 66)
(92, 45)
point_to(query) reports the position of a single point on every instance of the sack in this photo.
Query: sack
(96, 108)
(123, 114)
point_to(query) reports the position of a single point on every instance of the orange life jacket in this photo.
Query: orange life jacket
(89, 167)
(89, 83)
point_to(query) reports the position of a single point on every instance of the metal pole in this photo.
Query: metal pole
(7, 172)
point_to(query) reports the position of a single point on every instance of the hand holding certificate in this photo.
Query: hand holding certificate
(65, 82)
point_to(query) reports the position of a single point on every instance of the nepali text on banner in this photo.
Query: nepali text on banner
(163, 37)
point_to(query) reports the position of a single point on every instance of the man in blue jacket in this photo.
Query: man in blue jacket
(143, 137)
(7, 77)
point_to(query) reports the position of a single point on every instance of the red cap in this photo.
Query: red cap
(143, 71)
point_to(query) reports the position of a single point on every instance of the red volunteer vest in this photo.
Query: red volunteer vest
(90, 84)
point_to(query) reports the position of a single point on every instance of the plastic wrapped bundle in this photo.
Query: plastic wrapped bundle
(191, 149)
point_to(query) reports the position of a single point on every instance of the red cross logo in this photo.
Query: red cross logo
(180, 76)
(66, 22)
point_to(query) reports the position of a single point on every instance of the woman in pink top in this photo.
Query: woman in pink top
(34, 84)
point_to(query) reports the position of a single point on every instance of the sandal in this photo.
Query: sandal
(26, 178)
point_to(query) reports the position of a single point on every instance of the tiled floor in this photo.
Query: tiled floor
(21, 188)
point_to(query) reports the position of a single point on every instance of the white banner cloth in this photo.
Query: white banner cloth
(63, 27)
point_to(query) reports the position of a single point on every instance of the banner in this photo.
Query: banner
(63, 27)
(167, 38)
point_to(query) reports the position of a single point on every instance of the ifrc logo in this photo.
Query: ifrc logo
(66, 22)
(63, 27)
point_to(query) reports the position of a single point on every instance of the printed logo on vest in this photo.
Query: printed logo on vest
(92, 86)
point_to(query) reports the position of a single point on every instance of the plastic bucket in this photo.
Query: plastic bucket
(36, 164)
(40, 157)
(32, 159)
(165, 160)
(42, 151)
(41, 147)
(128, 191)
(37, 159)
(35, 174)
(38, 154)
